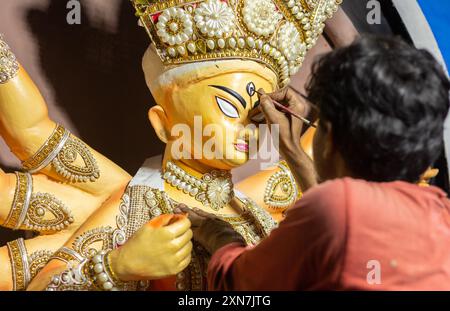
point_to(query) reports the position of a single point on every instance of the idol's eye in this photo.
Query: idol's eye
(227, 108)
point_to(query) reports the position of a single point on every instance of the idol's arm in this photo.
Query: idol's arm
(34, 138)
(159, 249)
(22, 260)
(40, 204)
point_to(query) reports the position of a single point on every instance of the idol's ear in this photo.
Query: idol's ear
(158, 119)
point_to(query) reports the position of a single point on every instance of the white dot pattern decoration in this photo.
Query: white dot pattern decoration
(215, 19)
(275, 33)
(261, 17)
(174, 26)
(289, 42)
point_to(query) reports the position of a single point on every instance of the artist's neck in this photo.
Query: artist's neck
(190, 166)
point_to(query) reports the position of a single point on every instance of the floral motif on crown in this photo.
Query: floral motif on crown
(276, 33)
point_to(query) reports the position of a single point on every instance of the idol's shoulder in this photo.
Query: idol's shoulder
(273, 189)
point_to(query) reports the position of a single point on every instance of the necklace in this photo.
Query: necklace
(214, 189)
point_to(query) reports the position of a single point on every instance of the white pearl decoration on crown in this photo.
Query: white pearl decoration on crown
(174, 26)
(261, 17)
(215, 19)
(291, 46)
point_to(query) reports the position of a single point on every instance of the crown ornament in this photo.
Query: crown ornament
(275, 33)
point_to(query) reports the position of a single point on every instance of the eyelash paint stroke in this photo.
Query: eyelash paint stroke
(232, 93)
(227, 108)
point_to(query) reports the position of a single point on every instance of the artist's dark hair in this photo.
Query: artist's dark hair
(386, 102)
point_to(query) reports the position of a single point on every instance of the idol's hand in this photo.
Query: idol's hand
(290, 130)
(210, 231)
(159, 249)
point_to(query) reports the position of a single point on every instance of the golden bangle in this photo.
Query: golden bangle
(21, 202)
(30, 211)
(67, 255)
(63, 150)
(109, 268)
(8, 63)
(19, 263)
(45, 155)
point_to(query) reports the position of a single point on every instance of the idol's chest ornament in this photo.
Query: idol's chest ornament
(214, 189)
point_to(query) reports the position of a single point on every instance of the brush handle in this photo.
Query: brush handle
(292, 113)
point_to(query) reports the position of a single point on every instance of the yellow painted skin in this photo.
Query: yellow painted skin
(25, 126)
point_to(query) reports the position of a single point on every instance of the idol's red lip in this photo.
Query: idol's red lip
(241, 146)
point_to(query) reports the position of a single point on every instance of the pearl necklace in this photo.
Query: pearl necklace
(214, 189)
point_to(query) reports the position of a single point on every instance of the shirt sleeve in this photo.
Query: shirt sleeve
(305, 252)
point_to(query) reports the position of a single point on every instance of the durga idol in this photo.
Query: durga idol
(206, 60)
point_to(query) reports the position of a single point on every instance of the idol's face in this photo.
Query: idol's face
(216, 111)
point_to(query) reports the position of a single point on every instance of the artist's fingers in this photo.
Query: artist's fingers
(273, 116)
(195, 215)
(256, 115)
(280, 95)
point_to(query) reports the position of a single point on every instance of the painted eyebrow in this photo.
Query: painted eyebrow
(232, 93)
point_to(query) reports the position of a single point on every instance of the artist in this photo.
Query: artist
(364, 223)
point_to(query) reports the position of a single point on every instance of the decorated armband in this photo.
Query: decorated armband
(8, 63)
(40, 212)
(25, 267)
(69, 156)
(281, 189)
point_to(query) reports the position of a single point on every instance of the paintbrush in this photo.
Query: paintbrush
(289, 111)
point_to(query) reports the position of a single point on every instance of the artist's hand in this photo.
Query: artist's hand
(290, 131)
(290, 127)
(159, 249)
(210, 231)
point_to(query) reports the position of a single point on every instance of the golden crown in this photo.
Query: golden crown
(276, 33)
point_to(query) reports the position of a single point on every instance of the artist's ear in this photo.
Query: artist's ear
(158, 119)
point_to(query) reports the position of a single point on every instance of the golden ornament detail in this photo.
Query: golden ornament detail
(145, 203)
(41, 206)
(40, 212)
(92, 241)
(281, 190)
(20, 204)
(70, 157)
(38, 260)
(275, 33)
(214, 189)
(48, 151)
(67, 255)
(64, 163)
(8, 63)
(19, 264)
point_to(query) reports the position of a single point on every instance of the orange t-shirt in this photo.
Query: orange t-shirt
(348, 234)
